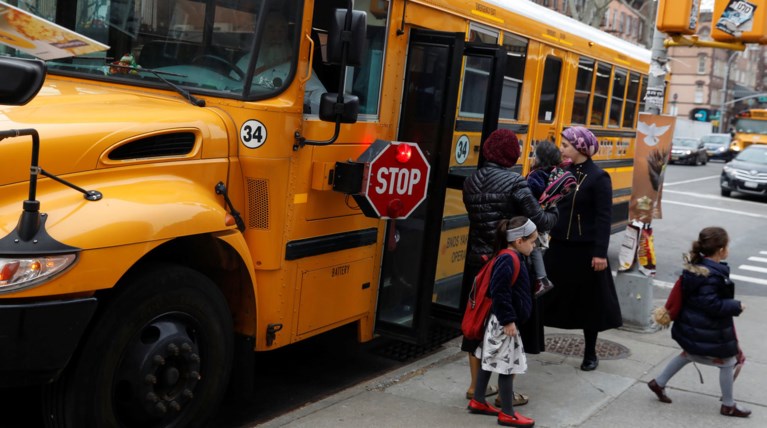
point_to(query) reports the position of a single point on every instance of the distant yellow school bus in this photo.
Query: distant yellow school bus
(201, 222)
(748, 127)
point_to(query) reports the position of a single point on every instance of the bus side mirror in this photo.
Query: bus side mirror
(355, 37)
(344, 112)
(22, 80)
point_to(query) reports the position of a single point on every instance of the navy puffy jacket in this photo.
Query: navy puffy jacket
(704, 325)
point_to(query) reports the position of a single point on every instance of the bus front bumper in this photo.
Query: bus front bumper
(38, 339)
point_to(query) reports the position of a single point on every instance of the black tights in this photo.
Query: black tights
(590, 339)
(506, 389)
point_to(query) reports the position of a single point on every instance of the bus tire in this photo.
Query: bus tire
(159, 355)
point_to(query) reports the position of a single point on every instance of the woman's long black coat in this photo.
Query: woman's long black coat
(582, 298)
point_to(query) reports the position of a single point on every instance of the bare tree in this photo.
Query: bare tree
(592, 12)
(589, 12)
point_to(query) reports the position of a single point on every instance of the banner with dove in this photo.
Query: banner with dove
(651, 154)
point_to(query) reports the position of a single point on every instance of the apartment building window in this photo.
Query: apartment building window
(607, 19)
(628, 25)
(701, 63)
(699, 93)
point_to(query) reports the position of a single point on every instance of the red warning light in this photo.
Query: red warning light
(404, 152)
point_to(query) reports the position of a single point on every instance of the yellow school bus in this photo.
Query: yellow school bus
(748, 127)
(171, 205)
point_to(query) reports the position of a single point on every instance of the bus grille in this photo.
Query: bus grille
(258, 203)
(177, 144)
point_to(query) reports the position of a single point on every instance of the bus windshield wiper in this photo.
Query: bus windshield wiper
(158, 74)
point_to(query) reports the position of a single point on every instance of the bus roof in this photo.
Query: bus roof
(557, 20)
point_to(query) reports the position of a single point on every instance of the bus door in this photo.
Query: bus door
(547, 113)
(411, 249)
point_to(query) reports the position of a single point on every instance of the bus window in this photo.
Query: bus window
(601, 89)
(481, 34)
(516, 55)
(549, 89)
(642, 92)
(631, 101)
(619, 94)
(582, 90)
(475, 74)
(364, 81)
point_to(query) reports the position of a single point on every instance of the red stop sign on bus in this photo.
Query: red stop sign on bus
(397, 180)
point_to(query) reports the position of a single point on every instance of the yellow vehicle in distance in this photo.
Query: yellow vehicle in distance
(749, 127)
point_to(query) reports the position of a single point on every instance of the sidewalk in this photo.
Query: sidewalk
(430, 392)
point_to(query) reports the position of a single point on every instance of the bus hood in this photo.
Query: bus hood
(79, 124)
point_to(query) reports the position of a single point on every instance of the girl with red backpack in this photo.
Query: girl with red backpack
(501, 350)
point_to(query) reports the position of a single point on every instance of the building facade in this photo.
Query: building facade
(705, 81)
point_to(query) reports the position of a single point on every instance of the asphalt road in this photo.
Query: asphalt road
(691, 201)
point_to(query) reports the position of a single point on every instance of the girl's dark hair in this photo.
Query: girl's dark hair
(547, 155)
(500, 232)
(710, 240)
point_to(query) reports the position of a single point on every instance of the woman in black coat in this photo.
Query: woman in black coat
(704, 327)
(584, 295)
(493, 193)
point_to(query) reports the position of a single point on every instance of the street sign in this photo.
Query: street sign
(396, 179)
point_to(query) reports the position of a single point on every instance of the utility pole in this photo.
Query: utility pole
(635, 290)
(656, 83)
(730, 58)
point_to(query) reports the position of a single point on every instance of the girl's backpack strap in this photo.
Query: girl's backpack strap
(514, 260)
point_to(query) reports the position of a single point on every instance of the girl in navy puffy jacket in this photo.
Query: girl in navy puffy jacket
(704, 327)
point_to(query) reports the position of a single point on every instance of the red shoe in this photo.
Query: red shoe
(515, 421)
(482, 408)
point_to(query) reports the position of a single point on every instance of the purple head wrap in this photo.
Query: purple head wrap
(582, 140)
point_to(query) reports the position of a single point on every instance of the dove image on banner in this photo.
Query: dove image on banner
(651, 155)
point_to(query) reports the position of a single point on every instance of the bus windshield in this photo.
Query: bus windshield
(203, 46)
(751, 126)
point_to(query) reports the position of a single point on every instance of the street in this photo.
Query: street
(691, 201)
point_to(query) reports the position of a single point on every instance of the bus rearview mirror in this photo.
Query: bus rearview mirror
(356, 37)
(344, 112)
(22, 79)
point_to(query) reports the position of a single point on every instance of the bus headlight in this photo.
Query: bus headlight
(22, 272)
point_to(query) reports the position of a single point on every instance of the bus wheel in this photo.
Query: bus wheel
(158, 355)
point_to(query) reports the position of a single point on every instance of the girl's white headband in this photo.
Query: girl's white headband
(526, 229)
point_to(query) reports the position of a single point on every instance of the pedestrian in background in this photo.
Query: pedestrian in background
(501, 350)
(584, 296)
(493, 193)
(704, 327)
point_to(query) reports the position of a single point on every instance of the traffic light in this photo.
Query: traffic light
(678, 16)
(739, 20)
(700, 114)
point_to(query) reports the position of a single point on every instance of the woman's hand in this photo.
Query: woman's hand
(510, 329)
(742, 306)
(599, 263)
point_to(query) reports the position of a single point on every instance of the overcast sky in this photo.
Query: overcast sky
(707, 4)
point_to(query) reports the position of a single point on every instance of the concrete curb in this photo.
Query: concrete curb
(450, 352)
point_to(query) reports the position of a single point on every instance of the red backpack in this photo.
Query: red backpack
(478, 306)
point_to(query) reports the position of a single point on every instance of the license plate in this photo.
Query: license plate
(674, 157)
(750, 184)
